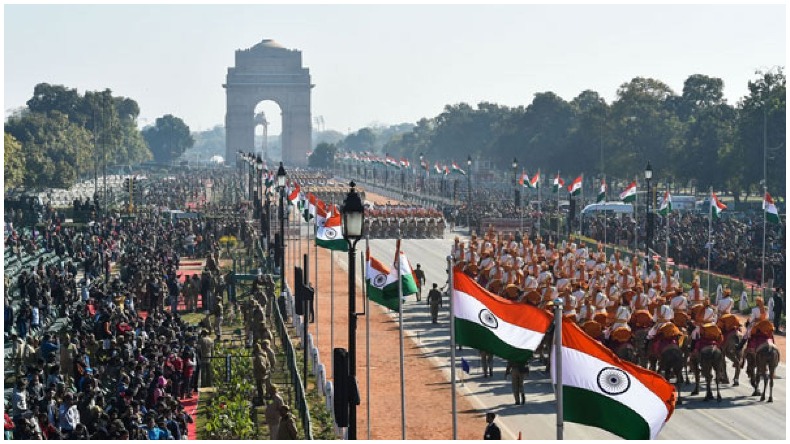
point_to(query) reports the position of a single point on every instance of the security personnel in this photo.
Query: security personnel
(518, 370)
(492, 430)
(420, 275)
(205, 351)
(435, 301)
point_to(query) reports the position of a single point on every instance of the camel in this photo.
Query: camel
(731, 351)
(763, 361)
(671, 361)
(711, 360)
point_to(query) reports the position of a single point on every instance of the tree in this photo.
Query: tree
(13, 162)
(51, 145)
(323, 155)
(168, 138)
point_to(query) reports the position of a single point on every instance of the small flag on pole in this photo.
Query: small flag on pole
(465, 366)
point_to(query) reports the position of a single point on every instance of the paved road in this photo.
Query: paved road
(738, 416)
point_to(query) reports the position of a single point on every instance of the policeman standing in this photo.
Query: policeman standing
(420, 275)
(435, 301)
(517, 371)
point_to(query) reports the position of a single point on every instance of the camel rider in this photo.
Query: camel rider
(706, 334)
(696, 295)
(664, 331)
(759, 329)
(601, 301)
(641, 317)
(620, 331)
(726, 303)
(569, 305)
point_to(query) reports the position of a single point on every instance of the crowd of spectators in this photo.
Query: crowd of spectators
(122, 360)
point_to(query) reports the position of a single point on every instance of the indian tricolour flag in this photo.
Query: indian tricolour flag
(602, 192)
(494, 324)
(716, 206)
(771, 213)
(524, 179)
(293, 196)
(601, 390)
(382, 286)
(629, 194)
(666, 204)
(329, 235)
(436, 168)
(558, 182)
(575, 188)
(535, 181)
(457, 169)
(409, 282)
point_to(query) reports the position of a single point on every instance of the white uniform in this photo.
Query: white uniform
(696, 296)
(725, 305)
(679, 302)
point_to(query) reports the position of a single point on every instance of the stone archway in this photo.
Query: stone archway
(268, 71)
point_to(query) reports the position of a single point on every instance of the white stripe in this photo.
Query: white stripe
(468, 308)
(581, 370)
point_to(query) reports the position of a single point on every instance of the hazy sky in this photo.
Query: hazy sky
(384, 64)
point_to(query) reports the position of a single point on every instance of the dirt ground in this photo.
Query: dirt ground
(428, 403)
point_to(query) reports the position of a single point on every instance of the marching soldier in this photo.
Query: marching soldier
(517, 370)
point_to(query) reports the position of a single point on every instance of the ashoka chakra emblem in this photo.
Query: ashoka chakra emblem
(379, 281)
(330, 233)
(488, 319)
(613, 381)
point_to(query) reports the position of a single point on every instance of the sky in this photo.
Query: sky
(384, 64)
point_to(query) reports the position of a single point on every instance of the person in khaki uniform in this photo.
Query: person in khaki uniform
(287, 429)
(517, 370)
(272, 413)
(260, 370)
(435, 301)
(206, 351)
(487, 361)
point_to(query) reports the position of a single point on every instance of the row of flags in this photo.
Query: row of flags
(403, 163)
(598, 388)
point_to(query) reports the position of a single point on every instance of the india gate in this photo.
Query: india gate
(268, 71)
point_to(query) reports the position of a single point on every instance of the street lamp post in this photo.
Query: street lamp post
(469, 190)
(648, 216)
(259, 191)
(281, 175)
(353, 224)
(516, 194)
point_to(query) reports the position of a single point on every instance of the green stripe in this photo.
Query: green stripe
(597, 410)
(481, 338)
(630, 198)
(337, 244)
(772, 217)
(380, 297)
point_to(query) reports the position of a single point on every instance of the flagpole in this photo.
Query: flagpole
(332, 306)
(581, 207)
(558, 364)
(315, 307)
(765, 213)
(400, 327)
(540, 215)
(636, 221)
(606, 188)
(666, 224)
(710, 230)
(367, 330)
(558, 206)
(452, 348)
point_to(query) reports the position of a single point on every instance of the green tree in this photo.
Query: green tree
(362, 140)
(761, 134)
(168, 138)
(51, 145)
(13, 162)
(323, 155)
